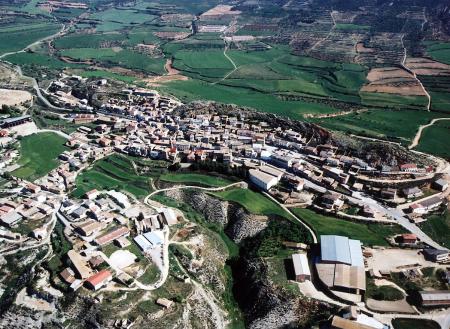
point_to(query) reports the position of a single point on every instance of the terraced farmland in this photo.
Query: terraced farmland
(115, 172)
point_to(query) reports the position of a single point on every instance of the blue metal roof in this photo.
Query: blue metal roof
(356, 253)
(335, 248)
(143, 243)
(340, 249)
(154, 238)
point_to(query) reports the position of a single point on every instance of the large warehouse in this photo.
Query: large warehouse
(341, 265)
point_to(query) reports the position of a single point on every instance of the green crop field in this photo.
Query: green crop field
(36, 161)
(351, 27)
(195, 179)
(438, 228)
(254, 202)
(125, 58)
(439, 51)
(399, 124)
(369, 234)
(268, 76)
(434, 139)
(24, 32)
(35, 59)
(390, 101)
(198, 90)
(117, 19)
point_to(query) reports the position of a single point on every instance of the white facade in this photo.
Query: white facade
(262, 180)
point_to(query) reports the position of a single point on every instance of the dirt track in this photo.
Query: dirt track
(416, 139)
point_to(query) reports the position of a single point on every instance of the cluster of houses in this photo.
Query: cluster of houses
(104, 218)
(31, 204)
(277, 160)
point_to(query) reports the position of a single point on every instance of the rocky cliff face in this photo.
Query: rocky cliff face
(238, 223)
(264, 305)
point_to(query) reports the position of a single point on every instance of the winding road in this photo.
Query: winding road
(416, 139)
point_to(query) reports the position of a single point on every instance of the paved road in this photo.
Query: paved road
(399, 217)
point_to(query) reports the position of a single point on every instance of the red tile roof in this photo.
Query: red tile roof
(108, 237)
(99, 277)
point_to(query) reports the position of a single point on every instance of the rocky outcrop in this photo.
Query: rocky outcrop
(268, 307)
(263, 303)
(237, 222)
(243, 225)
(214, 210)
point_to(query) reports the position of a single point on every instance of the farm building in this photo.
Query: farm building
(436, 255)
(263, 180)
(169, 217)
(13, 122)
(99, 279)
(143, 243)
(412, 192)
(164, 302)
(341, 323)
(79, 264)
(341, 267)
(301, 267)
(112, 235)
(156, 238)
(440, 184)
(435, 298)
(341, 250)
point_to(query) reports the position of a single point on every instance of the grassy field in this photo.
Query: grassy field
(265, 80)
(382, 292)
(254, 202)
(116, 19)
(195, 179)
(369, 234)
(122, 57)
(439, 51)
(115, 172)
(402, 124)
(107, 75)
(41, 60)
(438, 228)
(17, 36)
(191, 90)
(46, 120)
(393, 101)
(351, 27)
(434, 139)
(36, 161)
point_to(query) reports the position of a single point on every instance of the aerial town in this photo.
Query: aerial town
(111, 240)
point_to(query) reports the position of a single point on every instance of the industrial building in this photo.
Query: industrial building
(435, 298)
(17, 121)
(301, 267)
(341, 265)
(262, 180)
